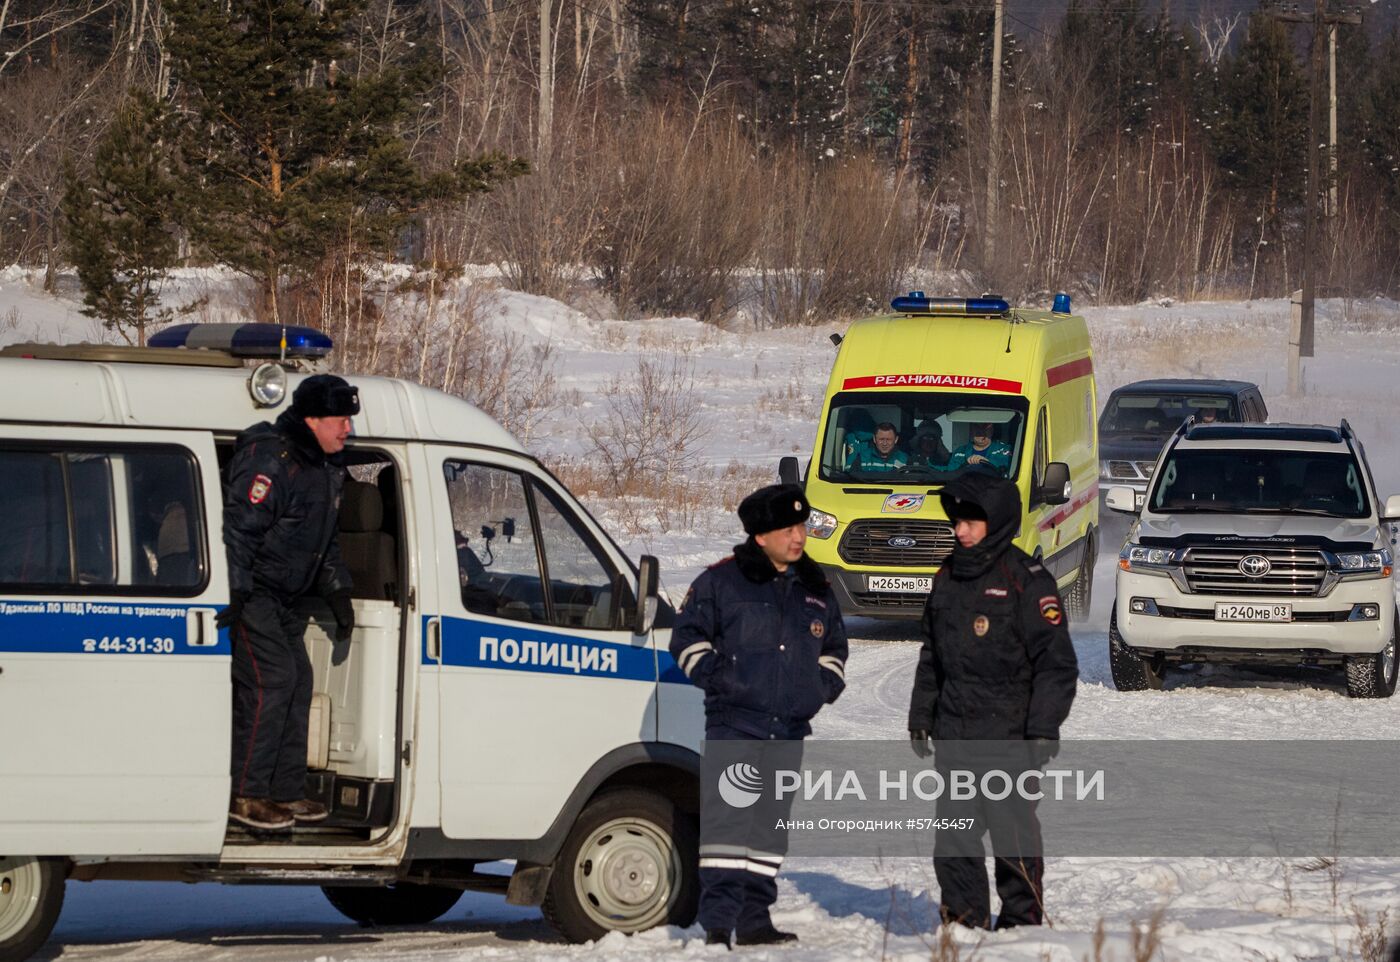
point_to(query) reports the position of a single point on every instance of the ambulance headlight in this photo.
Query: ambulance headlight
(268, 385)
(820, 525)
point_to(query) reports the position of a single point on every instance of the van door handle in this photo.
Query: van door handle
(199, 628)
(435, 639)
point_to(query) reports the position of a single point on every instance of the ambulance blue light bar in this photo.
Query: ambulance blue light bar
(247, 340)
(916, 303)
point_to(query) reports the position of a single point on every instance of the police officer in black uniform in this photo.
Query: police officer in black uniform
(760, 632)
(280, 514)
(997, 663)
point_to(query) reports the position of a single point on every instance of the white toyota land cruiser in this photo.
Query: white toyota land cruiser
(1257, 544)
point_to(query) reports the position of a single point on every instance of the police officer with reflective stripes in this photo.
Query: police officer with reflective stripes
(996, 663)
(761, 634)
(280, 531)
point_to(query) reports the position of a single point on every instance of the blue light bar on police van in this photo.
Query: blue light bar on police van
(916, 303)
(247, 340)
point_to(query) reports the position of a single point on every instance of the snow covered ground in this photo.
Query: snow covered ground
(760, 393)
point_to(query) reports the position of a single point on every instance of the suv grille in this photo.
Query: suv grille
(867, 542)
(1293, 571)
(1131, 470)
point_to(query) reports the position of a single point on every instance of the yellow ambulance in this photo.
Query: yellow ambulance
(938, 387)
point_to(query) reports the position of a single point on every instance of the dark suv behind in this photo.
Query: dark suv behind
(1139, 418)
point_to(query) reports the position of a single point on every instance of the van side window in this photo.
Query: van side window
(586, 589)
(93, 518)
(497, 558)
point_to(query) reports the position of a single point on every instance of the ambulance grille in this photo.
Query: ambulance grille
(867, 542)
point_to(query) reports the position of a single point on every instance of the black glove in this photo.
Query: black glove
(918, 740)
(1044, 749)
(232, 614)
(344, 614)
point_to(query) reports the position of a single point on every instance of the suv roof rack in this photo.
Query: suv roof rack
(1347, 432)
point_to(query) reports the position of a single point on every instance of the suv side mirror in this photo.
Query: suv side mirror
(1055, 488)
(648, 582)
(1392, 508)
(1121, 498)
(787, 470)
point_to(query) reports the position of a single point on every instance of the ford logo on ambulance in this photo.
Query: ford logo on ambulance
(902, 542)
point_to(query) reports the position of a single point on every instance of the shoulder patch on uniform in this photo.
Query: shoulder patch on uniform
(1050, 609)
(817, 628)
(258, 490)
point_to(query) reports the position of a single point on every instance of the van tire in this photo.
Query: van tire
(402, 903)
(627, 827)
(1080, 596)
(1131, 671)
(1373, 676)
(31, 896)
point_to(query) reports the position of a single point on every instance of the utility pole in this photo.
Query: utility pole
(1300, 337)
(989, 234)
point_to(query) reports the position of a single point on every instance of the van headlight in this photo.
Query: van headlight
(1137, 557)
(1364, 563)
(820, 525)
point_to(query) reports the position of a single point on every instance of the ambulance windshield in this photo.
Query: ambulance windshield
(915, 437)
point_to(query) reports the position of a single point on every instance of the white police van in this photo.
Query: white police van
(504, 696)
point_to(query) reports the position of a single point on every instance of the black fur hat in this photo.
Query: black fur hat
(325, 396)
(776, 506)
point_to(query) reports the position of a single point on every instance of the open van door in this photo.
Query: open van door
(114, 681)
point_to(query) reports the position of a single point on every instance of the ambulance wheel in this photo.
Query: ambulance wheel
(403, 903)
(1080, 596)
(630, 863)
(1131, 671)
(1373, 676)
(31, 895)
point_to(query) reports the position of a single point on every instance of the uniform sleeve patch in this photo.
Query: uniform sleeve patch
(816, 601)
(817, 628)
(1050, 609)
(258, 490)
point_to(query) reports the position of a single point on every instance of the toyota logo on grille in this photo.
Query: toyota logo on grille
(902, 542)
(1255, 566)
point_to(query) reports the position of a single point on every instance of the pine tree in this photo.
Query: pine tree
(119, 229)
(287, 151)
(1381, 110)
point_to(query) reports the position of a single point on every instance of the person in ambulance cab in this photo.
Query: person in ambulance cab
(982, 452)
(280, 531)
(880, 453)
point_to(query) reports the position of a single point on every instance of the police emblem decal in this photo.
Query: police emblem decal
(1050, 609)
(818, 629)
(258, 490)
(981, 625)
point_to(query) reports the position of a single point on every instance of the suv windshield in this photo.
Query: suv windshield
(913, 437)
(1276, 482)
(1158, 415)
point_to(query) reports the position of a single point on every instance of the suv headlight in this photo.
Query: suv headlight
(1364, 562)
(1135, 557)
(820, 525)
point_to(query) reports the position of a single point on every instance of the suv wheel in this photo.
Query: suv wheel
(1079, 597)
(1131, 671)
(1373, 676)
(630, 863)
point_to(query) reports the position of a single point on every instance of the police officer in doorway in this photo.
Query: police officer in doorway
(280, 514)
(761, 634)
(997, 663)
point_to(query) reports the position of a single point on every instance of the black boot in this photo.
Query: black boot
(717, 937)
(765, 936)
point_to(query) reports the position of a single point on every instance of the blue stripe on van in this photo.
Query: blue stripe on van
(468, 643)
(123, 627)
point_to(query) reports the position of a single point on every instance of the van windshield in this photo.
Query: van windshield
(912, 437)
(1158, 415)
(1271, 482)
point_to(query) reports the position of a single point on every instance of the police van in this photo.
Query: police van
(507, 693)
(938, 387)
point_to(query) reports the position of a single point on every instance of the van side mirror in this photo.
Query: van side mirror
(787, 470)
(1055, 487)
(648, 584)
(1121, 498)
(1392, 508)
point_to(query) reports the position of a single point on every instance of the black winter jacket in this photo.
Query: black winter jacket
(997, 661)
(767, 648)
(280, 511)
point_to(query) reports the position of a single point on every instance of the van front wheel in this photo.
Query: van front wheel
(1079, 598)
(402, 903)
(31, 896)
(630, 863)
